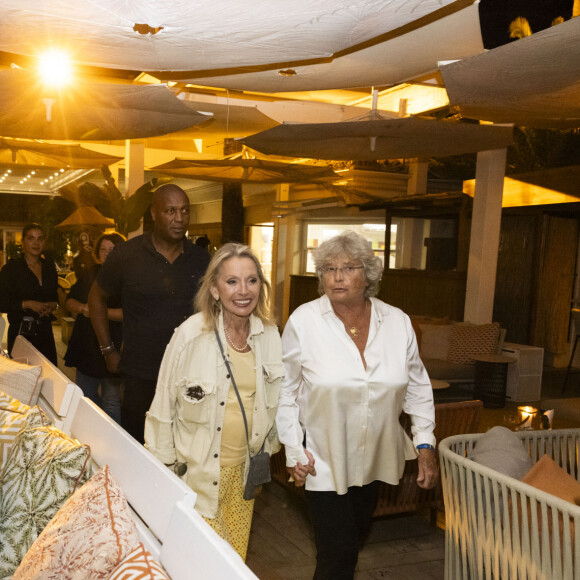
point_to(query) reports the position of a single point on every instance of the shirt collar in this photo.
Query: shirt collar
(148, 242)
(377, 313)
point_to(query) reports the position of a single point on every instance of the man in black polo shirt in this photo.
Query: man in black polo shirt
(157, 276)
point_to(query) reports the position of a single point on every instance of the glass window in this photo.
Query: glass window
(425, 244)
(261, 243)
(320, 232)
(415, 243)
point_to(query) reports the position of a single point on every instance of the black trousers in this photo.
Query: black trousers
(340, 523)
(137, 399)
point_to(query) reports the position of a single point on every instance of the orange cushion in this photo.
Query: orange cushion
(139, 565)
(548, 476)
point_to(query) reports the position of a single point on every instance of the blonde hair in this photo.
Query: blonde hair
(356, 248)
(209, 306)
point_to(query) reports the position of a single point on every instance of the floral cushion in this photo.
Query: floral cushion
(139, 564)
(43, 468)
(12, 422)
(89, 537)
(20, 381)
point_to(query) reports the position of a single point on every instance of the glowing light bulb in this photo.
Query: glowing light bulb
(55, 67)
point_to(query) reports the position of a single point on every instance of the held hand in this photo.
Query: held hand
(112, 361)
(299, 472)
(48, 308)
(428, 469)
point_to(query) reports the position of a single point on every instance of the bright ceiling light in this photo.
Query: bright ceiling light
(55, 67)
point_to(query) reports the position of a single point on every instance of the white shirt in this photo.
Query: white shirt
(349, 415)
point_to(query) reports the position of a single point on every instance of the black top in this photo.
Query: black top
(17, 283)
(156, 297)
(83, 347)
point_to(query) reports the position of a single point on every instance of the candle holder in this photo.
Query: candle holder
(527, 414)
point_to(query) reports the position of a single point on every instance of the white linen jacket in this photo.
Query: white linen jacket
(186, 417)
(349, 414)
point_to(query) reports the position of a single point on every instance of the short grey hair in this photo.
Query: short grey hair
(355, 247)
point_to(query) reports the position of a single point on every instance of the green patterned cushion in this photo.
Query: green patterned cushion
(43, 468)
(12, 422)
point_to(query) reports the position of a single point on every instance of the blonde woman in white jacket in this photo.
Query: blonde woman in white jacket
(195, 421)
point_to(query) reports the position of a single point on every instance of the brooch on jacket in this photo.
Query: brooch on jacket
(195, 393)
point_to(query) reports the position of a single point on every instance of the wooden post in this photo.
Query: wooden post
(232, 213)
(484, 242)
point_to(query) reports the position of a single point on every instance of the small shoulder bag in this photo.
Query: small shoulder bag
(259, 468)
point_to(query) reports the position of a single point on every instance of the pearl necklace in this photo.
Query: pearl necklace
(232, 342)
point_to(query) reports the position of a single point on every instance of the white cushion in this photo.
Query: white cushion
(435, 340)
(21, 381)
(502, 450)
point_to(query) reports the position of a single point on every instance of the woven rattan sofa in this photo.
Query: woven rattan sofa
(450, 418)
(500, 527)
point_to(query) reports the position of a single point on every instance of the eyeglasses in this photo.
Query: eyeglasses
(346, 270)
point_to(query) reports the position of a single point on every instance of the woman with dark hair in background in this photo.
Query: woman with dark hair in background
(29, 293)
(83, 348)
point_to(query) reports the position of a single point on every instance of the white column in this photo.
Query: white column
(279, 256)
(484, 240)
(418, 171)
(134, 171)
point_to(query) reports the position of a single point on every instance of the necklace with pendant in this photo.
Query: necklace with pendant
(232, 342)
(354, 331)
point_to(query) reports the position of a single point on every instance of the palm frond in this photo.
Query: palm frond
(520, 28)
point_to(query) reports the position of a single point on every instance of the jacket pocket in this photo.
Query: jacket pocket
(273, 376)
(195, 401)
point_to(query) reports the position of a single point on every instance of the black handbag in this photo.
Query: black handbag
(259, 468)
(28, 327)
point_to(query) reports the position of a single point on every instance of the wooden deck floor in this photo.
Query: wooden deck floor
(282, 544)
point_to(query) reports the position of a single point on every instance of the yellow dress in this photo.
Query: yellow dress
(234, 516)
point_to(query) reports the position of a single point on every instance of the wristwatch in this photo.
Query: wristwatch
(425, 446)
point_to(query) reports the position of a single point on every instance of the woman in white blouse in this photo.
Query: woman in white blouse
(352, 365)
(195, 424)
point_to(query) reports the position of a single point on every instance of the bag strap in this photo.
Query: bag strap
(235, 386)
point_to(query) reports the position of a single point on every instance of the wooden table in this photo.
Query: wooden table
(437, 384)
(491, 379)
